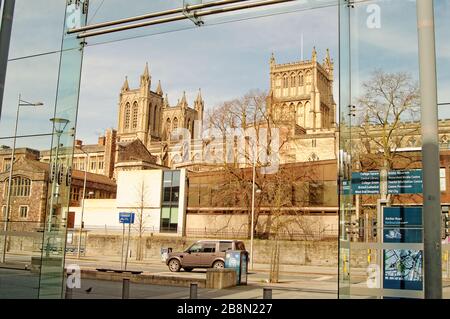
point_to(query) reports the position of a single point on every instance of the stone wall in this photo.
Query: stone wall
(323, 253)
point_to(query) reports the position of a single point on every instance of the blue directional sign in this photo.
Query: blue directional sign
(365, 183)
(405, 182)
(402, 224)
(126, 218)
(402, 268)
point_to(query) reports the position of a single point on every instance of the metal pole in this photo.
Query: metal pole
(430, 151)
(267, 293)
(5, 37)
(193, 291)
(253, 210)
(8, 198)
(126, 288)
(82, 206)
(123, 242)
(128, 245)
(154, 15)
(182, 17)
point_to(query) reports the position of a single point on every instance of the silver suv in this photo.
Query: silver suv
(203, 254)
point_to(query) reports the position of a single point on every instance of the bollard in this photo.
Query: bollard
(267, 293)
(126, 289)
(193, 291)
(69, 291)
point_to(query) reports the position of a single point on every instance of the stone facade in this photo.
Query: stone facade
(147, 115)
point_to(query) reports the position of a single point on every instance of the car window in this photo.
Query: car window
(208, 248)
(224, 246)
(196, 248)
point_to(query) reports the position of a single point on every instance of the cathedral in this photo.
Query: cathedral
(146, 115)
(300, 100)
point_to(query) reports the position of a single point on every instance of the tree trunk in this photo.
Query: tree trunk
(275, 262)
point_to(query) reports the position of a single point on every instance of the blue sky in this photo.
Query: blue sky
(225, 59)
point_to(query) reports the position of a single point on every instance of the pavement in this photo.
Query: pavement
(295, 282)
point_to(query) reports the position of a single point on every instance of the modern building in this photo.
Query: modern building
(158, 198)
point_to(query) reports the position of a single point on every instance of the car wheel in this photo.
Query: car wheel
(174, 265)
(188, 269)
(219, 264)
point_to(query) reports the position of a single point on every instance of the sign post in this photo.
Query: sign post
(402, 258)
(125, 218)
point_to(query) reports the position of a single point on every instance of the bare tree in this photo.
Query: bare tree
(387, 114)
(140, 220)
(236, 152)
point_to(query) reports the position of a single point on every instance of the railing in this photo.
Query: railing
(226, 233)
(330, 234)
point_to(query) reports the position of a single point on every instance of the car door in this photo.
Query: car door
(208, 254)
(193, 256)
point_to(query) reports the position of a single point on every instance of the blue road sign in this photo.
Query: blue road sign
(405, 182)
(402, 268)
(126, 218)
(366, 183)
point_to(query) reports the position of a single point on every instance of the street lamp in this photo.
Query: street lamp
(252, 226)
(8, 200)
(59, 125)
(86, 162)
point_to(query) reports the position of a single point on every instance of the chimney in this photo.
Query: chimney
(101, 140)
(78, 143)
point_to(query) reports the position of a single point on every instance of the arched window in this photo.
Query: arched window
(127, 115)
(308, 77)
(189, 126)
(301, 78)
(154, 117)
(135, 115)
(20, 186)
(285, 81)
(168, 128)
(175, 123)
(293, 81)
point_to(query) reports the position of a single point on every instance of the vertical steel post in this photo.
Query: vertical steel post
(8, 198)
(126, 288)
(430, 151)
(5, 37)
(267, 293)
(123, 243)
(193, 291)
(86, 163)
(128, 245)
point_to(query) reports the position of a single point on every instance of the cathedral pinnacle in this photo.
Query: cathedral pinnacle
(183, 100)
(166, 101)
(125, 86)
(199, 95)
(145, 78)
(272, 59)
(146, 71)
(314, 54)
(159, 90)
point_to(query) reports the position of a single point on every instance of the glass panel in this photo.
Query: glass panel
(165, 212)
(64, 123)
(37, 29)
(345, 198)
(21, 237)
(380, 146)
(114, 9)
(174, 215)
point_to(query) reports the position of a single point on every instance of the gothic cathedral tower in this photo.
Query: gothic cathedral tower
(140, 111)
(301, 94)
